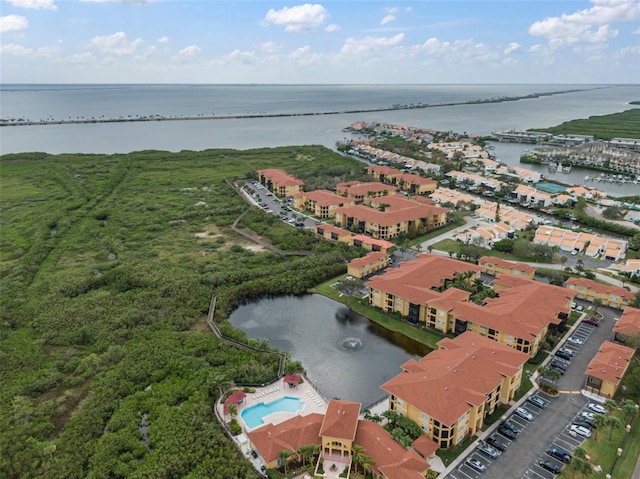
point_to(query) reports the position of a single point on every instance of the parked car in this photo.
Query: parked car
(536, 401)
(524, 414)
(576, 341)
(510, 425)
(587, 415)
(597, 408)
(580, 430)
(591, 321)
(485, 448)
(558, 365)
(556, 368)
(475, 464)
(506, 432)
(496, 444)
(550, 466)
(559, 453)
(583, 422)
(567, 351)
(579, 308)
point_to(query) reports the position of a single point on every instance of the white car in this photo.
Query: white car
(576, 341)
(475, 464)
(597, 408)
(524, 414)
(588, 415)
(580, 430)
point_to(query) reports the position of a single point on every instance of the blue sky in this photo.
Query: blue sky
(208, 41)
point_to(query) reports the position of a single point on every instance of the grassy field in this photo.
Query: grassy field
(625, 124)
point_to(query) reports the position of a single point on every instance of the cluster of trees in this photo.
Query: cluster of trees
(105, 286)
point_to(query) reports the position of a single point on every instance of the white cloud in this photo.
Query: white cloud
(299, 18)
(466, 51)
(34, 4)
(188, 53)
(387, 19)
(239, 56)
(116, 44)
(367, 45)
(132, 2)
(269, 47)
(11, 23)
(304, 56)
(333, 28)
(78, 58)
(163, 40)
(513, 46)
(633, 50)
(591, 25)
(16, 50)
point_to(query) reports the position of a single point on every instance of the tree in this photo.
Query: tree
(596, 303)
(613, 422)
(599, 421)
(580, 453)
(581, 466)
(548, 373)
(307, 451)
(284, 455)
(629, 409)
(610, 405)
(357, 455)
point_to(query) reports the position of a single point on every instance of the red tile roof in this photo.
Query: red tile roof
(415, 279)
(629, 322)
(235, 398)
(341, 420)
(373, 257)
(600, 288)
(373, 241)
(326, 197)
(444, 383)
(525, 268)
(289, 435)
(280, 177)
(611, 362)
(425, 446)
(333, 229)
(292, 379)
(391, 216)
(363, 189)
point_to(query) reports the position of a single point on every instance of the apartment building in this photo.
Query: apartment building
(414, 184)
(606, 369)
(531, 196)
(333, 233)
(389, 216)
(521, 315)
(322, 203)
(363, 191)
(449, 392)
(627, 325)
(368, 264)
(495, 266)
(280, 183)
(613, 296)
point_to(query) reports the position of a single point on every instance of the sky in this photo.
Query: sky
(332, 42)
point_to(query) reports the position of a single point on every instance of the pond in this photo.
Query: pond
(345, 355)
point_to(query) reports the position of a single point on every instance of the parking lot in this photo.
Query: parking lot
(550, 426)
(271, 204)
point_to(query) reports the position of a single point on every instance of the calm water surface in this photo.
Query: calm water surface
(348, 356)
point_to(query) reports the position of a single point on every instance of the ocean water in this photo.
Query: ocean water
(41, 102)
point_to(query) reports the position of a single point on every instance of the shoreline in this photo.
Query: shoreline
(77, 121)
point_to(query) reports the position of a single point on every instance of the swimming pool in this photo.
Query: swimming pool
(252, 416)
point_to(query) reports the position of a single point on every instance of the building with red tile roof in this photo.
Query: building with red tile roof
(368, 264)
(372, 244)
(494, 266)
(520, 316)
(449, 392)
(361, 191)
(322, 203)
(613, 296)
(279, 182)
(391, 216)
(335, 433)
(606, 369)
(414, 184)
(627, 325)
(330, 232)
(235, 399)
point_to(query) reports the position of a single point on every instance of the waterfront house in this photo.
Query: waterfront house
(450, 392)
(627, 325)
(279, 182)
(606, 369)
(577, 242)
(632, 266)
(613, 296)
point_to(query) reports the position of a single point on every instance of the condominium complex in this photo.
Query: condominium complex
(279, 182)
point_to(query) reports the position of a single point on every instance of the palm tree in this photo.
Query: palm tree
(306, 451)
(629, 409)
(284, 455)
(599, 421)
(613, 422)
(580, 453)
(367, 463)
(596, 302)
(357, 455)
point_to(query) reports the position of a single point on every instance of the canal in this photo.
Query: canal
(345, 355)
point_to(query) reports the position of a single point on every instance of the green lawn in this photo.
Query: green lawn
(449, 455)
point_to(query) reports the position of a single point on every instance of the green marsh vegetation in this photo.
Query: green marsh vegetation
(107, 266)
(625, 124)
